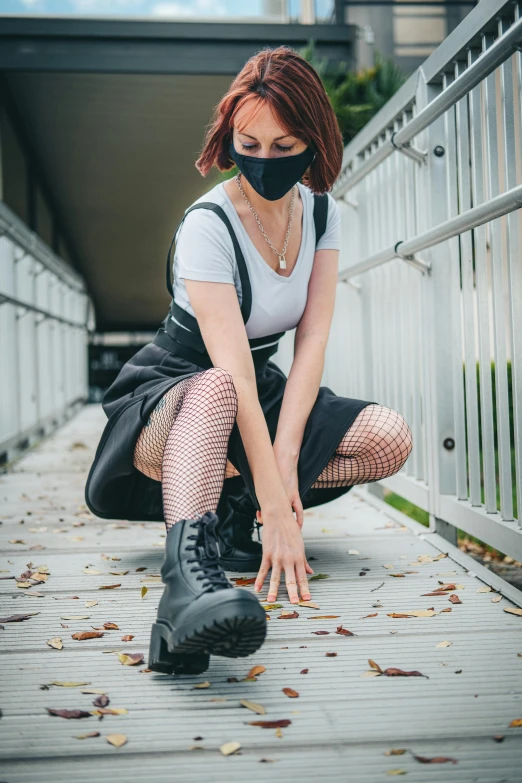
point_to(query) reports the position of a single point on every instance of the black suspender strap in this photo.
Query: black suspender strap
(320, 215)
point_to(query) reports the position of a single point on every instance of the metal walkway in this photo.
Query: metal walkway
(344, 724)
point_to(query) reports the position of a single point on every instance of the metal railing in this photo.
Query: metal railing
(45, 314)
(428, 316)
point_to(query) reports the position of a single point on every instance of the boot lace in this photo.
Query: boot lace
(207, 553)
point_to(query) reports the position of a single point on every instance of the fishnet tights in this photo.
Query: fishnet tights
(184, 443)
(376, 445)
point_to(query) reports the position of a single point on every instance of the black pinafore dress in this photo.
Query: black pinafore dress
(116, 489)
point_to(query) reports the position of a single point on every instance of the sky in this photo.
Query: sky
(180, 9)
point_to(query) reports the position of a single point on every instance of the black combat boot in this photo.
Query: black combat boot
(200, 613)
(236, 521)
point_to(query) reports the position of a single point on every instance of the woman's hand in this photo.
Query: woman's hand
(283, 550)
(287, 467)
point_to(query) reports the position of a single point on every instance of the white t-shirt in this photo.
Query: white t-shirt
(204, 251)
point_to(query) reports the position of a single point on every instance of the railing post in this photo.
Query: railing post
(439, 324)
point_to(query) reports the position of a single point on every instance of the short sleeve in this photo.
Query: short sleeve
(331, 239)
(204, 250)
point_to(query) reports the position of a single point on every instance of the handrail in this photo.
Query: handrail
(469, 78)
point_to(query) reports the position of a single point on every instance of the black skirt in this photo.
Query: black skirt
(115, 489)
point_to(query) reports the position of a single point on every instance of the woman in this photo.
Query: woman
(202, 408)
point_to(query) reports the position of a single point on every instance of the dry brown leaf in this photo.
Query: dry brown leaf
(448, 609)
(286, 615)
(290, 693)
(255, 671)
(75, 617)
(109, 587)
(17, 618)
(130, 659)
(251, 705)
(436, 592)
(128, 637)
(202, 685)
(92, 690)
(516, 723)
(393, 672)
(375, 665)
(344, 631)
(68, 713)
(111, 626)
(321, 633)
(304, 671)
(55, 642)
(415, 613)
(229, 748)
(513, 610)
(116, 739)
(454, 599)
(486, 589)
(242, 581)
(397, 575)
(271, 724)
(101, 701)
(324, 617)
(82, 635)
(87, 736)
(309, 604)
(118, 573)
(395, 752)
(331, 654)
(434, 760)
(396, 772)
(110, 711)
(366, 616)
(496, 599)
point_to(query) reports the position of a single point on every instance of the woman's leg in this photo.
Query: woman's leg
(376, 445)
(184, 443)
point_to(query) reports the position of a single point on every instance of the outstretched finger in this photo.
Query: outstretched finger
(291, 583)
(302, 581)
(275, 579)
(261, 576)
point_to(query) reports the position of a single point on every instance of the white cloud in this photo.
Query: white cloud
(191, 9)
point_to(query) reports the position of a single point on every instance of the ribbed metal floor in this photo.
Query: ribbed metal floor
(343, 723)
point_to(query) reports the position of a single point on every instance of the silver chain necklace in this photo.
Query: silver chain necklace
(282, 254)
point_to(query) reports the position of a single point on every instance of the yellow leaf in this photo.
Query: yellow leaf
(92, 571)
(484, 590)
(116, 739)
(69, 684)
(444, 644)
(202, 685)
(309, 604)
(255, 670)
(516, 723)
(144, 591)
(496, 599)
(229, 748)
(513, 610)
(395, 752)
(88, 604)
(396, 772)
(250, 705)
(55, 642)
(269, 607)
(93, 690)
(75, 617)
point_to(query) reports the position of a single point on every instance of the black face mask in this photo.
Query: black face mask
(272, 177)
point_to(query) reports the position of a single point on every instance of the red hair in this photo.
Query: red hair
(297, 98)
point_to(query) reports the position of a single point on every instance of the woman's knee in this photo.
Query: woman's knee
(393, 433)
(214, 389)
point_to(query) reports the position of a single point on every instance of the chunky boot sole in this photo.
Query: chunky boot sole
(233, 629)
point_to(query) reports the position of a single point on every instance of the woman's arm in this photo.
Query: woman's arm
(305, 374)
(217, 311)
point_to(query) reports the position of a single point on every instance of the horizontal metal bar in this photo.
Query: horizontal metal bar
(483, 213)
(497, 53)
(15, 229)
(4, 299)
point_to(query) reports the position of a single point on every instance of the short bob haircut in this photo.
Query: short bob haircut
(298, 99)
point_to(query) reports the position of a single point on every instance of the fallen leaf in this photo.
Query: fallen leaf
(392, 672)
(398, 576)
(330, 654)
(92, 571)
(414, 613)
(513, 610)
(111, 587)
(87, 736)
(82, 635)
(110, 711)
(434, 760)
(144, 591)
(271, 724)
(324, 617)
(16, 541)
(116, 739)
(321, 633)
(444, 644)
(516, 723)
(118, 573)
(256, 670)
(395, 752)
(499, 738)
(55, 642)
(396, 772)
(68, 713)
(201, 685)
(353, 552)
(111, 626)
(309, 604)
(75, 617)
(279, 733)
(24, 585)
(288, 615)
(17, 618)
(92, 690)
(229, 748)
(290, 693)
(366, 616)
(269, 607)
(375, 665)
(315, 577)
(242, 581)
(436, 592)
(250, 705)
(344, 631)
(388, 565)
(304, 671)
(448, 609)
(128, 637)
(67, 684)
(486, 589)
(101, 701)
(496, 599)
(141, 568)
(130, 659)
